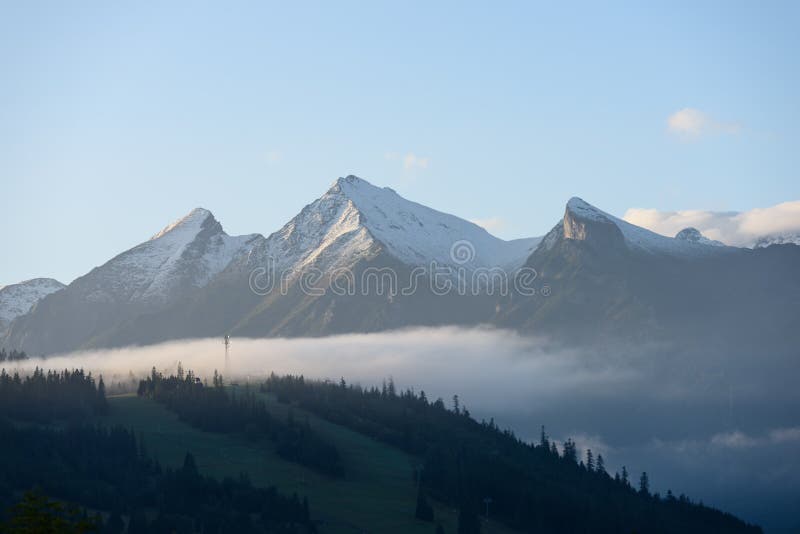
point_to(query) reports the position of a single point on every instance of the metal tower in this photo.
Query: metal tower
(227, 342)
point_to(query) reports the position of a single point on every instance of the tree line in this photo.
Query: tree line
(475, 466)
(43, 397)
(215, 409)
(12, 355)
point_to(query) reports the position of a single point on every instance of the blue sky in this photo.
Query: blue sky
(117, 118)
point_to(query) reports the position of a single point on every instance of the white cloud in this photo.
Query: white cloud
(730, 227)
(491, 224)
(784, 217)
(410, 160)
(692, 123)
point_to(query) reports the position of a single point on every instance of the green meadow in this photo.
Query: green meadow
(376, 495)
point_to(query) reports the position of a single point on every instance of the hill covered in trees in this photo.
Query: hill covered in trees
(48, 444)
(470, 464)
(55, 442)
(46, 397)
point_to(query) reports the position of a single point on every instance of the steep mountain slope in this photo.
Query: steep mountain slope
(610, 280)
(351, 237)
(361, 259)
(18, 299)
(354, 217)
(356, 230)
(187, 253)
(192, 280)
(417, 235)
(181, 258)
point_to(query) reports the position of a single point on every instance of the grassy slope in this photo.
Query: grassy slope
(377, 493)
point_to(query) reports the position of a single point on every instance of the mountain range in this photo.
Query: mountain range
(362, 258)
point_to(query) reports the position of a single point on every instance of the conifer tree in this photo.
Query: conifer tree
(644, 484)
(543, 441)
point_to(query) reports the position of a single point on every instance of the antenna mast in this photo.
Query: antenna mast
(227, 341)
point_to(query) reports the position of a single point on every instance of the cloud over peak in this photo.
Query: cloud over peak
(730, 227)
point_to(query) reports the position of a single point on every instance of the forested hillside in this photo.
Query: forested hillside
(109, 470)
(56, 443)
(214, 409)
(468, 464)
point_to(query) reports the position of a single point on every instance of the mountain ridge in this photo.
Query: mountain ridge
(191, 279)
(579, 212)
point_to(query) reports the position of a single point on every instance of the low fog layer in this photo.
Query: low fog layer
(721, 427)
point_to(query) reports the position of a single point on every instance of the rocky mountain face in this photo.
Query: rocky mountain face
(612, 281)
(361, 258)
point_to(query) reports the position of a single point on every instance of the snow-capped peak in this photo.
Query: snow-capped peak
(583, 209)
(352, 180)
(418, 235)
(191, 222)
(355, 218)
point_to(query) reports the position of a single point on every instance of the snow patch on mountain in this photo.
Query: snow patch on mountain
(187, 226)
(187, 253)
(18, 299)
